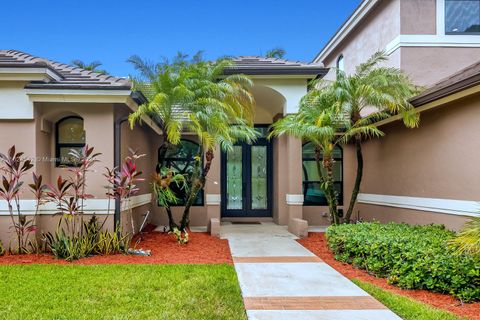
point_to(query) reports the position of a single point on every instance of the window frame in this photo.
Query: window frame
(451, 33)
(172, 159)
(59, 145)
(340, 58)
(304, 183)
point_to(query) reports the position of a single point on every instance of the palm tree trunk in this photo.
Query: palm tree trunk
(358, 179)
(197, 186)
(171, 222)
(327, 182)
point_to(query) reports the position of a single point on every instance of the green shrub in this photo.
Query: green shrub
(411, 257)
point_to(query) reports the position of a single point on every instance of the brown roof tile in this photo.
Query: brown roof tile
(68, 77)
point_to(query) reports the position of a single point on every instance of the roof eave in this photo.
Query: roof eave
(355, 18)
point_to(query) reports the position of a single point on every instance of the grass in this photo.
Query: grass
(120, 292)
(404, 307)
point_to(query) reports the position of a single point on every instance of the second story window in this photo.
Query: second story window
(340, 63)
(462, 16)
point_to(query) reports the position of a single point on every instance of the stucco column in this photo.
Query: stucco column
(212, 188)
(288, 198)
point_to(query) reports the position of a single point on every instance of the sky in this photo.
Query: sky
(111, 31)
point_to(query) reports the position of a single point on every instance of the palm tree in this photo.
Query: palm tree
(193, 96)
(92, 66)
(379, 92)
(277, 52)
(321, 121)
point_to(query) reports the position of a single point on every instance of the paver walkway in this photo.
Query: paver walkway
(280, 279)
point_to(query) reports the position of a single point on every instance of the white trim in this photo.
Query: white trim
(83, 92)
(432, 40)
(347, 27)
(294, 199)
(212, 199)
(36, 73)
(97, 206)
(446, 206)
(440, 17)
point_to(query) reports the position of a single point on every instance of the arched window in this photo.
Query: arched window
(69, 135)
(182, 159)
(312, 193)
(340, 63)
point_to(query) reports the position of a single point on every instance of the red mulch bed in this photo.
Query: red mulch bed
(317, 243)
(201, 249)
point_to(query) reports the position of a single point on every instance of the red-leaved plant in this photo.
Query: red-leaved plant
(14, 167)
(69, 194)
(122, 183)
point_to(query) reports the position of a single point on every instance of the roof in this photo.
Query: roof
(459, 81)
(355, 18)
(62, 76)
(255, 65)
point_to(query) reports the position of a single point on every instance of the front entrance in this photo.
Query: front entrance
(247, 178)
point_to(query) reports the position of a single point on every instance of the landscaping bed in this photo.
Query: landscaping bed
(201, 249)
(317, 243)
(120, 292)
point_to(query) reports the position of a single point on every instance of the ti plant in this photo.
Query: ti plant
(122, 183)
(14, 167)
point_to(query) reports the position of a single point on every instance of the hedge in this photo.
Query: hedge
(411, 257)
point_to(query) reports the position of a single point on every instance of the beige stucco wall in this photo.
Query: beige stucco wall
(418, 16)
(429, 65)
(379, 28)
(432, 161)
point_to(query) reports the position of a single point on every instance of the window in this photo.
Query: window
(340, 63)
(462, 16)
(181, 159)
(312, 193)
(69, 135)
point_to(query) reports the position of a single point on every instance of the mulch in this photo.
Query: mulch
(201, 249)
(317, 243)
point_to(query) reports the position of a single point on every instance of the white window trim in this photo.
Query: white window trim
(440, 17)
(464, 208)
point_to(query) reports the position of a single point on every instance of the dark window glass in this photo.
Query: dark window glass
(462, 16)
(182, 159)
(312, 192)
(70, 135)
(340, 63)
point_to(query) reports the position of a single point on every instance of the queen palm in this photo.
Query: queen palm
(92, 66)
(194, 96)
(372, 93)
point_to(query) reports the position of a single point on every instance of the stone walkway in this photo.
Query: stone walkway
(280, 279)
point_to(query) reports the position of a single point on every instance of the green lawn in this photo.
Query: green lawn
(120, 292)
(404, 307)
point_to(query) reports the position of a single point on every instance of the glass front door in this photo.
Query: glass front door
(247, 179)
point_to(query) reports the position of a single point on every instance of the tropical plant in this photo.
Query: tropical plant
(193, 96)
(468, 239)
(123, 183)
(92, 66)
(372, 93)
(277, 52)
(2, 249)
(15, 166)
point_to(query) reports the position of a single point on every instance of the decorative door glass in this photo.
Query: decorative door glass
(259, 177)
(234, 179)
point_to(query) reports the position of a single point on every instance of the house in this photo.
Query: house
(424, 175)
(48, 108)
(429, 174)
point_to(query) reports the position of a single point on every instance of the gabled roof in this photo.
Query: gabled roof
(355, 18)
(459, 81)
(62, 76)
(255, 65)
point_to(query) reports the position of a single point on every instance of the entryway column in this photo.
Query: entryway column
(212, 188)
(288, 179)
